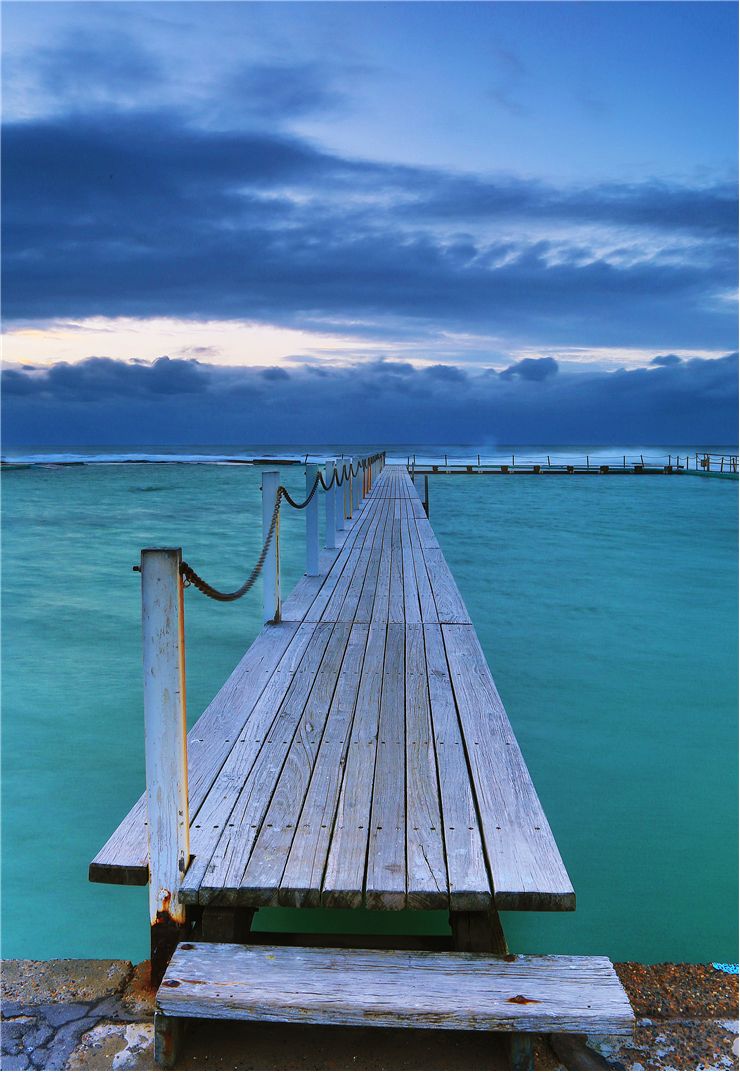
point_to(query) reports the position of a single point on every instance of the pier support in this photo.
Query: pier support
(330, 504)
(341, 495)
(312, 524)
(481, 932)
(271, 568)
(165, 729)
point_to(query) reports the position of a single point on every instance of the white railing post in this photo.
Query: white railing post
(341, 496)
(352, 487)
(165, 735)
(312, 523)
(330, 503)
(357, 484)
(271, 568)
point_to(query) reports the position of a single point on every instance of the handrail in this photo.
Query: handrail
(191, 577)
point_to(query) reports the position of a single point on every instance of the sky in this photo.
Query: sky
(403, 222)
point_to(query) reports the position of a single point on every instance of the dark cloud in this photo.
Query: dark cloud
(103, 377)
(666, 359)
(141, 215)
(532, 368)
(101, 400)
(280, 91)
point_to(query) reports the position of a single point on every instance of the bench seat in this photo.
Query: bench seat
(389, 988)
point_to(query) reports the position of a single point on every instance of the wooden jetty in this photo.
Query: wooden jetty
(358, 756)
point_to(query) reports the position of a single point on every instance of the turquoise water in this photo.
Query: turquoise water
(607, 610)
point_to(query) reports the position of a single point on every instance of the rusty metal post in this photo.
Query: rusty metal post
(165, 732)
(271, 568)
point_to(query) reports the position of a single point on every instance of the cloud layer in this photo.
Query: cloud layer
(143, 215)
(186, 401)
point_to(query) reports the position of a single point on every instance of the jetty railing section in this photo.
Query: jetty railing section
(164, 575)
(517, 465)
(715, 463)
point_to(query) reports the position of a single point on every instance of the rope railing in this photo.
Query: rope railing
(191, 577)
(164, 575)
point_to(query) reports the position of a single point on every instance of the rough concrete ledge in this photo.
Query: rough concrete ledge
(98, 1014)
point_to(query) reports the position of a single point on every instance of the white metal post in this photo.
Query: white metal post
(312, 523)
(357, 484)
(330, 503)
(351, 487)
(341, 495)
(271, 568)
(165, 732)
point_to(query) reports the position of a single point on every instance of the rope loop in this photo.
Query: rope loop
(189, 575)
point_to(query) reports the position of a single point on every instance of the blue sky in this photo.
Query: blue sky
(501, 213)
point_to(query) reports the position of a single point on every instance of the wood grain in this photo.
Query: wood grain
(390, 988)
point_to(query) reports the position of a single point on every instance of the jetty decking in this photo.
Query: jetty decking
(360, 754)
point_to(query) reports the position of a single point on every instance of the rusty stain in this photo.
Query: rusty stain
(171, 982)
(519, 999)
(511, 957)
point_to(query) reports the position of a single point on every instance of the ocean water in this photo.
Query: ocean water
(606, 608)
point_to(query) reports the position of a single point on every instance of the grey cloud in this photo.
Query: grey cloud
(140, 215)
(666, 359)
(100, 401)
(532, 368)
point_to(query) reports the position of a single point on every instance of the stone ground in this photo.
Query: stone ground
(97, 1014)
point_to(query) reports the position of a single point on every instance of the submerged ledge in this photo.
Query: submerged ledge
(98, 1014)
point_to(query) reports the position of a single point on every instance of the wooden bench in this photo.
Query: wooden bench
(389, 988)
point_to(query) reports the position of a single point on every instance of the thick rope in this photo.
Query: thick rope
(191, 577)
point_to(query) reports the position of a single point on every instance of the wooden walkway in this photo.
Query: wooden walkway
(360, 755)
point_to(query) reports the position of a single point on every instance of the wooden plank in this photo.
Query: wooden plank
(524, 861)
(426, 882)
(411, 604)
(304, 593)
(393, 988)
(469, 884)
(345, 869)
(317, 608)
(382, 594)
(344, 598)
(426, 533)
(395, 597)
(289, 687)
(427, 604)
(267, 862)
(385, 885)
(366, 602)
(123, 858)
(302, 880)
(309, 703)
(450, 606)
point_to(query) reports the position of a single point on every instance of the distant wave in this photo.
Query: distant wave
(143, 459)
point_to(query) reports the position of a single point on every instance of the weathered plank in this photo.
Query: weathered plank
(345, 869)
(469, 885)
(450, 606)
(288, 690)
(302, 880)
(426, 883)
(392, 988)
(267, 862)
(303, 708)
(527, 870)
(386, 865)
(123, 858)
